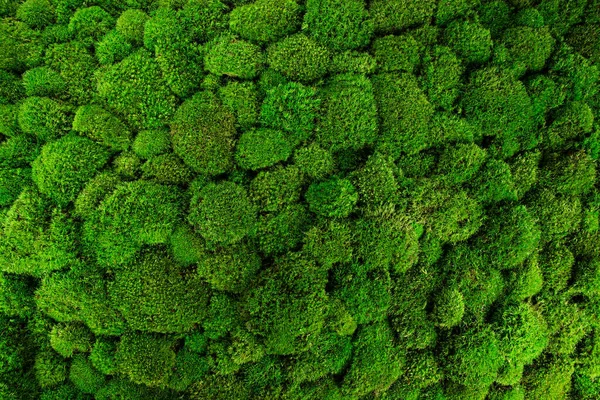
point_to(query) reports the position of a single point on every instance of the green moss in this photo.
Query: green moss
(404, 113)
(67, 339)
(233, 57)
(43, 81)
(265, 21)
(113, 48)
(36, 13)
(291, 107)
(64, 166)
(400, 14)
(396, 53)
(241, 98)
(84, 376)
(45, 118)
(146, 358)
(130, 25)
(157, 104)
(349, 114)
(272, 190)
(339, 25)
(261, 148)
(229, 268)
(202, 134)
(135, 213)
(333, 198)
(175, 298)
(222, 212)
(299, 57)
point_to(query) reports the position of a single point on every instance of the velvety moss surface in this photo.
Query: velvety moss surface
(299, 199)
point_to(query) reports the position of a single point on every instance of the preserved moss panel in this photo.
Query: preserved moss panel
(299, 199)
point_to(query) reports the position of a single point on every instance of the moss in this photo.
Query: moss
(349, 114)
(262, 148)
(64, 166)
(265, 21)
(222, 212)
(293, 108)
(202, 134)
(299, 57)
(233, 57)
(339, 25)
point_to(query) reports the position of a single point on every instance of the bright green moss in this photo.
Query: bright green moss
(67, 339)
(314, 161)
(442, 76)
(297, 284)
(396, 53)
(229, 268)
(222, 212)
(75, 297)
(12, 181)
(205, 19)
(366, 295)
(283, 231)
(103, 354)
(388, 241)
(449, 308)
(20, 48)
(167, 169)
(76, 65)
(130, 25)
(112, 48)
(101, 126)
(530, 47)
(333, 198)
(572, 174)
(202, 134)
(233, 57)
(396, 15)
(90, 24)
(338, 24)
(475, 358)
(558, 215)
(175, 299)
(460, 163)
(179, 59)
(12, 89)
(43, 81)
(145, 82)
(357, 62)
(241, 98)
(64, 166)
(45, 118)
(470, 40)
(349, 114)
(299, 199)
(16, 299)
(265, 21)
(262, 148)
(377, 361)
(150, 143)
(84, 376)
(499, 106)
(495, 182)
(273, 190)
(135, 213)
(299, 57)
(36, 13)
(404, 114)
(50, 368)
(291, 107)
(146, 358)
